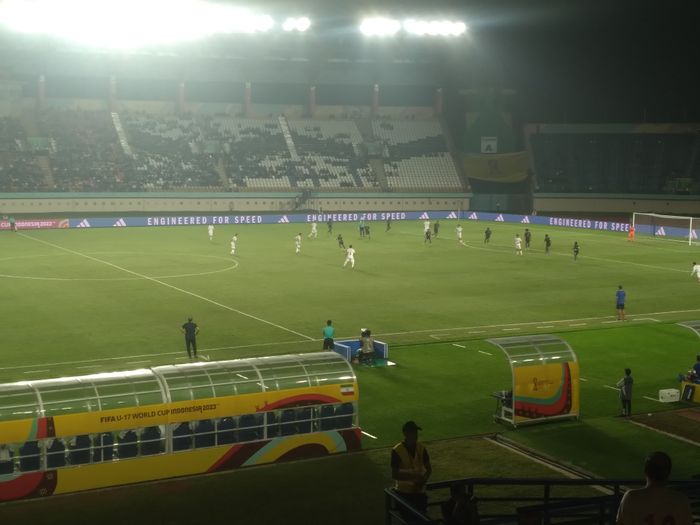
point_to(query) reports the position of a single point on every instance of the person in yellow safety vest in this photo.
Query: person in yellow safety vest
(410, 467)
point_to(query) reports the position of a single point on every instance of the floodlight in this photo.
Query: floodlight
(296, 24)
(434, 27)
(131, 23)
(380, 26)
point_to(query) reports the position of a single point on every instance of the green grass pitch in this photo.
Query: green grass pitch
(83, 301)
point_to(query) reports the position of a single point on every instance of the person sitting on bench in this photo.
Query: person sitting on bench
(366, 352)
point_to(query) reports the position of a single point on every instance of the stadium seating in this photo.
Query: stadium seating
(615, 163)
(416, 155)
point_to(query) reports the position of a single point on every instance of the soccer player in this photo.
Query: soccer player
(388, 223)
(487, 235)
(190, 330)
(459, 233)
(330, 226)
(210, 230)
(518, 245)
(696, 271)
(367, 230)
(314, 230)
(620, 297)
(428, 237)
(297, 242)
(436, 228)
(426, 226)
(362, 228)
(547, 243)
(234, 240)
(528, 238)
(630, 233)
(576, 250)
(349, 257)
(341, 243)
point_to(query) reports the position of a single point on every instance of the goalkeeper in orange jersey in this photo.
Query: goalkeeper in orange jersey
(630, 233)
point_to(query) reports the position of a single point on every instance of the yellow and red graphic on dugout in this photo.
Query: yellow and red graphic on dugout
(543, 391)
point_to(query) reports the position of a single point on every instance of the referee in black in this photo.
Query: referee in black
(190, 330)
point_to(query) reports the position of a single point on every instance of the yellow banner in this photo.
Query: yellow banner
(497, 167)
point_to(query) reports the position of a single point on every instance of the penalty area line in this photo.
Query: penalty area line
(167, 285)
(369, 435)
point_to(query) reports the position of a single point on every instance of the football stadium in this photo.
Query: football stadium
(343, 263)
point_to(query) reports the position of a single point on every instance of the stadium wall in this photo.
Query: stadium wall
(57, 203)
(617, 204)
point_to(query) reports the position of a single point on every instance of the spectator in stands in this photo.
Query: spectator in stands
(29, 456)
(460, 509)
(625, 386)
(411, 469)
(655, 503)
(7, 465)
(328, 333)
(55, 453)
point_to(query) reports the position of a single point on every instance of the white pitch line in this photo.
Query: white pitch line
(35, 371)
(167, 285)
(138, 362)
(485, 353)
(529, 323)
(613, 321)
(88, 366)
(582, 379)
(510, 329)
(578, 324)
(120, 358)
(611, 387)
(369, 435)
(652, 399)
(206, 357)
(546, 326)
(647, 319)
(460, 346)
(435, 336)
(674, 436)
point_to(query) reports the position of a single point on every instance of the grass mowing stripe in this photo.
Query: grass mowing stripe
(181, 290)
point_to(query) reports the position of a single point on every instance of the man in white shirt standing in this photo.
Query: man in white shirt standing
(234, 240)
(518, 245)
(655, 503)
(210, 229)
(314, 230)
(459, 233)
(349, 257)
(426, 226)
(297, 242)
(696, 271)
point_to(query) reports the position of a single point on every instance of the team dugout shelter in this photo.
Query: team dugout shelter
(85, 432)
(545, 380)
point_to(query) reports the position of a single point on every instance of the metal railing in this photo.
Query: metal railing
(527, 509)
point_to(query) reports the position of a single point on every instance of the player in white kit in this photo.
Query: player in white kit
(297, 242)
(210, 229)
(234, 240)
(518, 245)
(314, 230)
(349, 257)
(696, 271)
(459, 233)
(426, 226)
